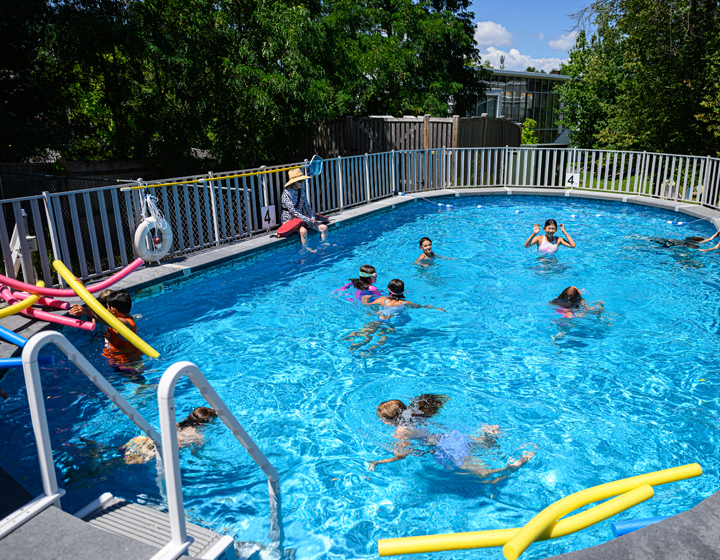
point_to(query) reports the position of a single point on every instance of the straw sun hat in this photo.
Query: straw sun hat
(296, 175)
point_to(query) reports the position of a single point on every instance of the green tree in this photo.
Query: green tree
(647, 78)
(529, 135)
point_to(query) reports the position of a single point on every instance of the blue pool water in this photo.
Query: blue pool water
(628, 392)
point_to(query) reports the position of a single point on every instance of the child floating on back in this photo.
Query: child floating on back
(428, 255)
(450, 448)
(549, 243)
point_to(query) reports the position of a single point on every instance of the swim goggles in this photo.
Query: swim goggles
(367, 274)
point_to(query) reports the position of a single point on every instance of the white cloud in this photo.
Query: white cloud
(541, 37)
(564, 42)
(489, 33)
(516, 61)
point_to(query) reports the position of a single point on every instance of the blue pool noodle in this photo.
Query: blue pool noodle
(12, 337)
(624, 527)
(17, 362)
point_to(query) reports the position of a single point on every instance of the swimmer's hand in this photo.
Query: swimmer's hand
(536, 228)
(3, 394)
(372, 465)
(433, 307)
(77, 310)
(562, 228)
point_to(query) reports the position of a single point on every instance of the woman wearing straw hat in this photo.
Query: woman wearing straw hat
(296, 208)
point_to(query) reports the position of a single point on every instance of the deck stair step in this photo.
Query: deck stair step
(152, 527)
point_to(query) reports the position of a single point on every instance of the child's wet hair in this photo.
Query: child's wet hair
(550, 222)
(428, 404)
(201, 415)
(120, 300)
(569, 298)
(391, 411)
(363, 283)
(395, 289)
(423, 240)
(103, 297)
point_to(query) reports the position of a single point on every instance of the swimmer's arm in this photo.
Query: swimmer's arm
(532, 240)
(710, 249)
(79, 310)
(714, 235)
(569, 242)
(373, 464)
(418, 306)
(421, 257)
(365, 300)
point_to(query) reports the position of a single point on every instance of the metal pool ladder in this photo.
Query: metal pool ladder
(122, 518)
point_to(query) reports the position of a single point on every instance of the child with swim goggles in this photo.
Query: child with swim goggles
(450, 448)
(391, 307)
(364, 285)
(549, 243)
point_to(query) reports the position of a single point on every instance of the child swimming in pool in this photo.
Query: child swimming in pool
(549, 243)
(391, 311)
(364, 285)
(570, 303)
(141, 449)
(450, 448)
(428, 254)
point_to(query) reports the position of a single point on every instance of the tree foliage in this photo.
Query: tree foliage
(647, 77)
(529, 134)
(242, 80)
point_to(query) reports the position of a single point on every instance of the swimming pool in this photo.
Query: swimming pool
(629, 392)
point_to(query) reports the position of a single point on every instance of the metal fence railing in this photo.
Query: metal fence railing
(92, 230)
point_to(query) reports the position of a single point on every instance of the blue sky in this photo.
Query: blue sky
(528, 33)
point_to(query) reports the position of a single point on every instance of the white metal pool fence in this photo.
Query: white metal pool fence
(92, 230)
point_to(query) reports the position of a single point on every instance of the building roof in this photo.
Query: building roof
(561, 77)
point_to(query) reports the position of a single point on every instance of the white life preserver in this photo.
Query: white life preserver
(146, 236)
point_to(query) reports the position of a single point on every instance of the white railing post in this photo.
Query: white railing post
(392, 171)
(340, 183)
(505, 165)
(213, 206)
(367, 179)
(166, 405)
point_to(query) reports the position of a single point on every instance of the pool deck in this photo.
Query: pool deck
(692, 534)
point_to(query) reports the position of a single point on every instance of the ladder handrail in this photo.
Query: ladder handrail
(31, 370)
(168, 429)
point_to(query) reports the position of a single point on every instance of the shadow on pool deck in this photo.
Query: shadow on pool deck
(694, 534)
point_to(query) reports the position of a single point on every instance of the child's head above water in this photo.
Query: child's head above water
(103, 297)
(121, 301)
(552, 224)
(426, 244)
(396, 289)
(569, 298)
(395, 412)
(367, 277)
(201, 415)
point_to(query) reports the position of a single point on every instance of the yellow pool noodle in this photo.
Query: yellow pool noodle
(499, 537)
(103, 313)
(21, 305)
(538, 524)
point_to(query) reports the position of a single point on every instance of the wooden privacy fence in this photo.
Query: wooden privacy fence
(92, 230)
(372, 135)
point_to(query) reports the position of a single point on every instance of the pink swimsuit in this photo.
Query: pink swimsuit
(547, 247)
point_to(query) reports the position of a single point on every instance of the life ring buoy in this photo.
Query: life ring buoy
(159, 243)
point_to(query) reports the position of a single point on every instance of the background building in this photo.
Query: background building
(525, 95)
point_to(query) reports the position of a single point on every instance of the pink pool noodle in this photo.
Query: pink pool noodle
(53, 292)
(48, 317)
(47, 302)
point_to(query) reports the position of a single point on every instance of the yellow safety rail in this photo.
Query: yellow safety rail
(213, 178)
(103, 313)
(499, 537)
(21, 305)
